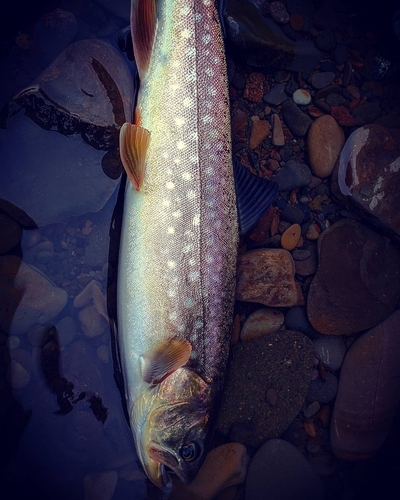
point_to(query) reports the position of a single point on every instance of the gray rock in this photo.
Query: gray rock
(366, 113)
(296, 319)
(279, 471)
(322, 80)
(335, 100)
(323, 391)
(292, 214)
(293, 175)
(276, 95)
(331, 350)
(326, 40)
(297, 121)
(66, 329)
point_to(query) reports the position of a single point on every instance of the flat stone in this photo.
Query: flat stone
(357, 284)
(278, 138)
(293, 175)
(292, 214)
(276, 95)
(291, 237)
(367, 175)
(342, 115)
(325, 140)
(27, 298)
(368, 393)
(259, 131)
(262, 322)
(279, 471)
(322, 80)
(331, 351)
(281, 361)
(366, 113)
(297, 121)
(267, 276)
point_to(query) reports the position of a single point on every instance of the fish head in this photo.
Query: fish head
(175, 419)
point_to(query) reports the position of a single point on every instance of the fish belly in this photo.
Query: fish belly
(179, 234)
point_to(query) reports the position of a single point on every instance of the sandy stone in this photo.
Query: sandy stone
(267, 276)
(324, 141)
(259, 131)
(262, 322)
(291, 237)
(278, 138)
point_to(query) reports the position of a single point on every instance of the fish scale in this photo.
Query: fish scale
(180, 231)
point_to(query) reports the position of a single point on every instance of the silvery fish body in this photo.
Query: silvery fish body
(179, 241)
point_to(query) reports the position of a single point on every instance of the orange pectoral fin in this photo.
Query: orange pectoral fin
(164, 359)
(133, 145)
(143, 29)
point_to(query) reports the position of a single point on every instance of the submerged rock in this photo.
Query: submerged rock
(262, 322)
(357, 284)
(369, 392)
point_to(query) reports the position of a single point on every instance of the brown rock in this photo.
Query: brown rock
(357, 284)
(342, 115)
(267, 276)
(315, 112)
(296, 22)
(324, 141)
(291, 237)
(368, 393)
(93, 324)
(224, 466)
(262, 322)
(259, 131)
(254, 90)
(278, 138)
(367, 176)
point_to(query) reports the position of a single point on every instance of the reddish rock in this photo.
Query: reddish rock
(367, 176)
(259, 131)
(341, 113)
(324, 142)
(267, 276)
(296, 22)
(254, 90)
(315, 112)
(357, 284)
(278, 138)
(368, 393)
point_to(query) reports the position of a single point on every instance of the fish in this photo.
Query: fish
(179, 236)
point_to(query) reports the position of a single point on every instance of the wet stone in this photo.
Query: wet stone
(322, 80)
(296, 319)
(278, 12)
(335, 100)
(312, 409)
(366, 113)
(281, 361)
(278, 138)
(326, 40)
(276, 95)
(66, 329)
(259, 131)
(261, 322)
(292, 214)
(301, 97)
(331, 350)
(293, 175)
(358, 290)
(342, 115)
(297, 121)
(323, 391)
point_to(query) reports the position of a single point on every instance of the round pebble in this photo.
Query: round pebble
(291, 237)
(302, 97)
(296, 22)
(262, 322)
(330, 350)
(323, 391)
(312, 409)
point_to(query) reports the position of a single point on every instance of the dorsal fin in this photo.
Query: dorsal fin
(164, 359)
(253, 196)
(143, 27)
(133, 145)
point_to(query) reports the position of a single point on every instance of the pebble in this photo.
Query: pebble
(312, 232)
(302, 97)
(307, 267)
(103, 353)
(259, 131)
(312, 409)
(66, 329)
(299, 255)
(297, 121)
(325, 140)
(100, 485)
(267, 276)
(278, 12)
(323, 93)
(366, 113)
(224, 466)
(291, 237)
(278, 138)
(322, 80)
(279, 471)
(276, 95)
(293, 175)
(296, 22)
(10, 232)
(335, 100)
(354, 91)
(92, 323)
(254, 89)
(17, 375)
(323, 391)
(262, 322)
(330, 350)
(296, 319)
(326, 40)
(292, 214)
(342, 116)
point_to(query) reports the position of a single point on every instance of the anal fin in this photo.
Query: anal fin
(133, 144)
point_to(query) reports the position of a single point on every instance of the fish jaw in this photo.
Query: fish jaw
(170, 423)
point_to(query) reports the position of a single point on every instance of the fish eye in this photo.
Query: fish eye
(190, 451)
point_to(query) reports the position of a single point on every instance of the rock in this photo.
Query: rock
(312, 409)
(259, 131)
(335, 100)
(326, 41)
(27, 297)
(276, 95)
(267, 276)
(224, 466)
(292, 214)
(278, 12)
(368, 393)
(296, 319)
(10, 233)
(297, 121)
(322, 80)
(302, 97)
(254, 89)
(93, 324)
(331, 351)
(342, 115)
(100, 485)
(293, 175)
(279, 471)
(72, 97)
(103, 353)
(366, 113)
(358, 289)
(367, 175)
(325, 140)
(262, 322)
(278, 138)
(308, 266)
(280, 361)
(291, 237)
(52, 33)
(312, 232)
(17, 375)
(296, 22)
(323, 391)
(66, 329)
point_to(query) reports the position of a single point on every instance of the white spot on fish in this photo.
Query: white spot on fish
(171, 264)
(191, 194)
(185, 10)
(187, 102)
(173, 316)
(198, 324)
(177, 161)
(171, 293)
(185, 33)
(166, 203)
(194, 276)
(196, 220)
(207, 119)
(176, 63)
(209, 71)
(395, 166)
(186, 176)
(170, 230)
(190, 52)
(174, 86)
(192, 262)
(209, 259)
(197, 17)
(177, 214)
(180, 145)
(206, 38)
(169, 185)
(187, 248)
(189, 303)
(211, 90)
(179, 121)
